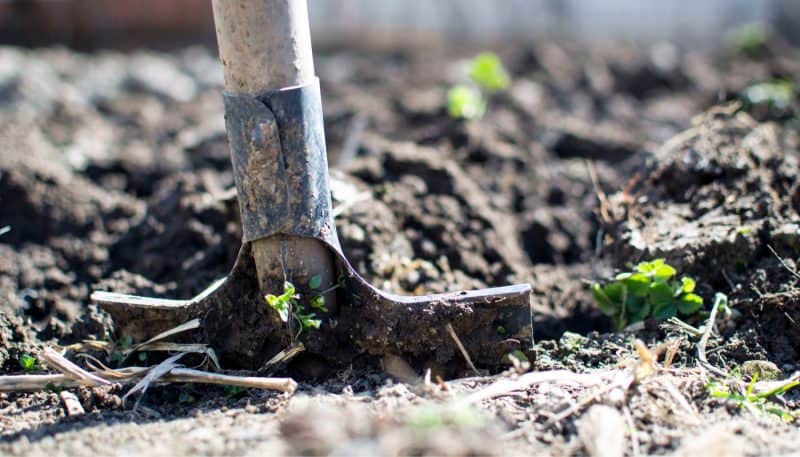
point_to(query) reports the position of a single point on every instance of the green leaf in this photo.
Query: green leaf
(663, 272)
(288, 289)
(487, 71)
(649, 267)
(604, 303)
(687, 285)
(616, 291)
(690, 303)
(637, 284)
(279, 305)
(315, 282)
(664, 311)
(318, 302)
(464, 102)
(778, 93)
(661, 294)
(27, 362)
(638, 308)
(233, 391)
(308, 321)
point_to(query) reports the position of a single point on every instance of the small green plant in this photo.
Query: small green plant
(465, 102)
(233, 391)
(288, 304)
(755, 401)
(487, 76)
(487, 71)
(650, 290)
(777, 93)
(55, 388)
(748, 39)
(28, 362)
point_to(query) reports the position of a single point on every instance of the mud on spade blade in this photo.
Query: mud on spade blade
(280, 168)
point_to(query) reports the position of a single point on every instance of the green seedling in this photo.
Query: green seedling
(465, 102)
(777, 93)
(55, 388)
(486, 70)
(283, 304)
(748, 39)
(487, 76)
(288, 304)
(755, 401)
(28, 362)
(233, 391)
(649, 291)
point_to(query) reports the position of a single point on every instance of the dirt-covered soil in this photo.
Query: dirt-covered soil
(115, 175)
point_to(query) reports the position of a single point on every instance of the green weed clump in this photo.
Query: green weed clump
(755, 401)
(749, 38)
(777, 93)
(487, 76)
(465, 102)
(288, 304)
(487, 71)
(28, 362)
(649, 291)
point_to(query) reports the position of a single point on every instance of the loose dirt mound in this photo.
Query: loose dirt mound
(720, 201)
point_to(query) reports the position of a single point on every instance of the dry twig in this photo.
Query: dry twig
(462, 349)
(507, 386)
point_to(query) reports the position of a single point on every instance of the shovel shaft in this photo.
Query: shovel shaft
(265, 45)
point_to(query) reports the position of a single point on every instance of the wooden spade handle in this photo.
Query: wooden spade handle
(265, 45)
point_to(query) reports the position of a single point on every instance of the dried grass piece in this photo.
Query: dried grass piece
(193, 348)
(461, 348)
(35, 382)
(507, 386)
(283, 357)
(287, 385)
(190, 325)
(624, 381)
(152, 375)
(83, 377)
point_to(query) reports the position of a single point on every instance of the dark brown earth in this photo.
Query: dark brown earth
(114, 175)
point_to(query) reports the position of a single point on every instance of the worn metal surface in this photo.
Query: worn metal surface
(279, 162)
(239, 326)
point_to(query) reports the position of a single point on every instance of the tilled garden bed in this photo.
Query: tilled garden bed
(115, 175)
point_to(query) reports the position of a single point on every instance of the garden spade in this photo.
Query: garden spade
(274, 122)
